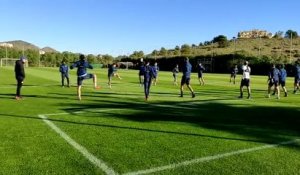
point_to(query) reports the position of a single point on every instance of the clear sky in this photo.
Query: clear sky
(122, 26)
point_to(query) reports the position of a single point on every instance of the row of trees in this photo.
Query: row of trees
(52, 59)
(288, 34)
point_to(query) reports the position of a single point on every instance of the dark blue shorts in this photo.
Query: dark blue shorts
(274, 82)
(282, 83)
(200, 74)
(80, 79)
(185, 80)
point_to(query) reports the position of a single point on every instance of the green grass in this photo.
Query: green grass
(117, 126)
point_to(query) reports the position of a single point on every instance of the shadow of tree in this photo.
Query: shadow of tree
(262, 123)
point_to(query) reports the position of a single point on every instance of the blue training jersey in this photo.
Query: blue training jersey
(187, 69)
(274, 74)
(148, 72)
(142, 69)
(283, 74)
(63, 68)
(81, 65)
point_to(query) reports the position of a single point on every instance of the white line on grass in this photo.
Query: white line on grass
(80, 112)
(209, 158)
(63, 113)
(93, 159)
(102, 165)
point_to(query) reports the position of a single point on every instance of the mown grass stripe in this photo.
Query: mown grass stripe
(209, 158)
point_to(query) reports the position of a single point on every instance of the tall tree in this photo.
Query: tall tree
(186, 49)
(291, 33)
(177, 51)
(221, 40)
(137, 54)
(278, 34)
(91, 58)
(155, 53)
(163, 51)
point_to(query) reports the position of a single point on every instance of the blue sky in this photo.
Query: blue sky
(122, 26)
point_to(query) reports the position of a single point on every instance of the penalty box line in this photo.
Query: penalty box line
(102, 165)
(93, 159)
(210, 158)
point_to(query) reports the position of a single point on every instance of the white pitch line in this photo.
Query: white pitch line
(80, 112)
(208, 158)
(93, 159)
(63, 113)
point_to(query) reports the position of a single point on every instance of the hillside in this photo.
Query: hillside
(20, 45)
(270, 47)
(273, 48)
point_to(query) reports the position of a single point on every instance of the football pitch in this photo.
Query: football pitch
(115, 131)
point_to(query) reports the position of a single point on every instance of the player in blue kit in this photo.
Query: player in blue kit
(64, 71)
(111, 72)
(273, 79)
(82, 74)
(200, 69)
(282, 79)
(141, 67)
(233, 73)
(148, 72)
(175, 72)
(186, 77)
(156, 70)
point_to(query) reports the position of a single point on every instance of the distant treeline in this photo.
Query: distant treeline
(52, 59)
(219, 63)
(215, 63)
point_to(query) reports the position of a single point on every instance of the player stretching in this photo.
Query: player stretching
(112, 71)
(82, 74)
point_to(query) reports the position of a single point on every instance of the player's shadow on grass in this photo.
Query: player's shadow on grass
(263, 123)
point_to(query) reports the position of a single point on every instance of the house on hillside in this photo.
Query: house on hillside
(255, 34)
(6, 45)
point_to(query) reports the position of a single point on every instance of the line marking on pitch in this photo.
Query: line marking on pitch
(108, 170)
(93, 159)
(209, 158)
